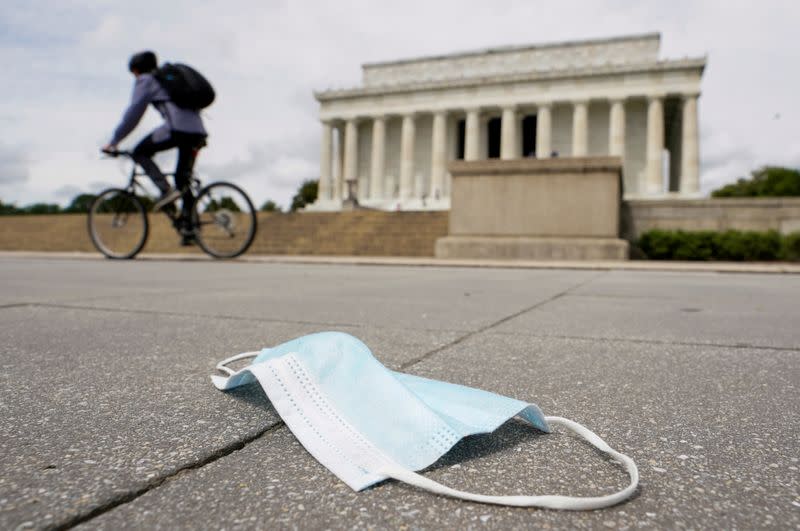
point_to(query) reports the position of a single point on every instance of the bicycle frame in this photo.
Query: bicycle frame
(134, 184)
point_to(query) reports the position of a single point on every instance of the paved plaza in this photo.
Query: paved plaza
(108, 418)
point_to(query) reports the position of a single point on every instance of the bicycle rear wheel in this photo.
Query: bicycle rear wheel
(226, 220)
(118, 223)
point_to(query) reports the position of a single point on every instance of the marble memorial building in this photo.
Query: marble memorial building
(389, 141)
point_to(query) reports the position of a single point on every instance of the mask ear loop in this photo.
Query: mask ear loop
(221, 366)
(571, 503)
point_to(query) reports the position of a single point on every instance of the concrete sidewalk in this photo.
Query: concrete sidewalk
(109, 419)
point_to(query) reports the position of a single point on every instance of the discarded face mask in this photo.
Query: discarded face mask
(366, 423)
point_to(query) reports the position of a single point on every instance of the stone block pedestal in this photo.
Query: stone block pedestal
(549, 209)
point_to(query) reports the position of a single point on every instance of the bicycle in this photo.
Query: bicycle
(222, 220)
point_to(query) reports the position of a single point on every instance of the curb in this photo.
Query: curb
(633, 265)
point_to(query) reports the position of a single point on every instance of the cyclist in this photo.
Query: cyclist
(182, 129)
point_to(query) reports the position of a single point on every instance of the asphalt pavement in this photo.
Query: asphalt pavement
(108, 419)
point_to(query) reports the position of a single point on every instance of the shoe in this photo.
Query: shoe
(166, 198)
(186, 231)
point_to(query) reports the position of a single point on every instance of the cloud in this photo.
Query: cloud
(68, 191)
(13, 165)
(271, 170)
(720, 148)
(70, 82)
(105, 32)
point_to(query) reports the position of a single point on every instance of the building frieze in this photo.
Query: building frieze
(696, 63)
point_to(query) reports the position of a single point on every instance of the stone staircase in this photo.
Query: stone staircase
(356, 233)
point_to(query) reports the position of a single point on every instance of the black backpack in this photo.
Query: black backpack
(187, 88)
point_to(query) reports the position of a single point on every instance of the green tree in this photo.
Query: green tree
(270, 206)
(225, 202)
(9, 209)
(42, 208)
(769, 181)
(229, 204)
(306, 194)
(117, 203)
(80, 204)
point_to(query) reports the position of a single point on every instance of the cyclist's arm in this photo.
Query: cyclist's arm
(142, 95)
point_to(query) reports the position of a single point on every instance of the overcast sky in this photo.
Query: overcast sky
(65, 80)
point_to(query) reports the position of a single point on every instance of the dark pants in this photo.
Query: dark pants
(187, 143)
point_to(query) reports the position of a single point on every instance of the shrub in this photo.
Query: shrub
(790, 249)
(657, 244)
(731, 245)
(736, 245)
(769, 181)
(695, 246)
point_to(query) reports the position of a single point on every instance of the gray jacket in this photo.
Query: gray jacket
(148, 90)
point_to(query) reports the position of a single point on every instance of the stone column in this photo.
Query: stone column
(325, 163)
(338, 180)
(350, 152)
(580, 129)
(378, 158)
(654, 176)
(690, 149)
(438, 154)
(407, 157)
(616, 129)
(544, 131)
(508, 134)
(472, 134)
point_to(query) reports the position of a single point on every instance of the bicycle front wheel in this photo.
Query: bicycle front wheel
(225, 219)
(118, 223)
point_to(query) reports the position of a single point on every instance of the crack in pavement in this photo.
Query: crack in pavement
(130, 496)
(505, 319)
(242, 318)
(15, 305)
(181, 314)
(653, 341)
(466, 333)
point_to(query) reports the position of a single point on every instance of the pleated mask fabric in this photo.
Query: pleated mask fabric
(366, 423)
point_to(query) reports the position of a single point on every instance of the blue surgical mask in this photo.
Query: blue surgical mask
(366, 423)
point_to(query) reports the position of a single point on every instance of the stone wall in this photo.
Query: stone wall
(758, 214)
(360, 233)
(372, 233)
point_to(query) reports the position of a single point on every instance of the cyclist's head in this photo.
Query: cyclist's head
(143, 62)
